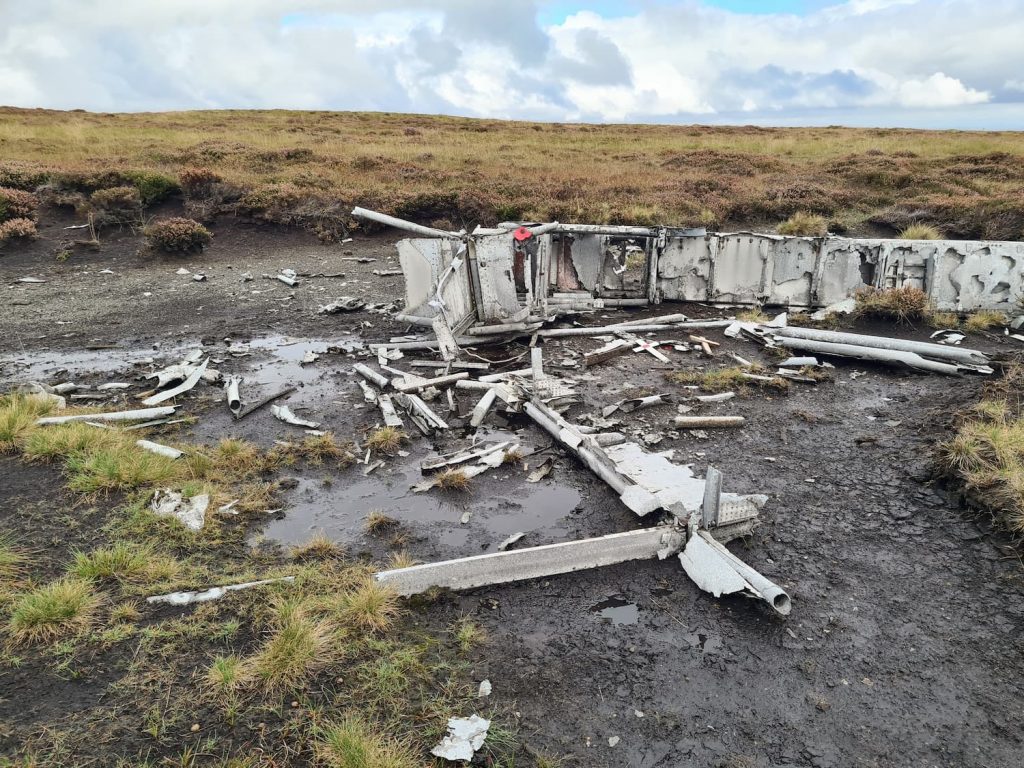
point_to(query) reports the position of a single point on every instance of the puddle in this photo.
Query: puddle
(499, 504)
(49, 366)
(617, 611)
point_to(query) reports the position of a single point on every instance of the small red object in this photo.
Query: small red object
(522, 234)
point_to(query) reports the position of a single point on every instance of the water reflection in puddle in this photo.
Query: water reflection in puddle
(617, 610)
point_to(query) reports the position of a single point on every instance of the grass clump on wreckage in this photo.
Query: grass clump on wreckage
(315, 653)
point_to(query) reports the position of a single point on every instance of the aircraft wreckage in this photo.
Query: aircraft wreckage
(495, 284)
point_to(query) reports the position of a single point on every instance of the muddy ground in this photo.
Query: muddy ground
(903, 645)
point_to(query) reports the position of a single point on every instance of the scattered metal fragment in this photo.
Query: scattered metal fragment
(262, 402)
(371, 375)
(461, 457)
(190, 512)
(185, 386)
(387, 272)
(510, 541)
(799, 362)
(113, 385)
(342, 304)
(718, 571)
(465, 736)
(388, 412)
(373, 467)
(162, 450)
(287, 276)
(635, 403)
(482, 407)
(65, 388)
(949, 336)
(284, 413)
(720, 397)
(29, 280)
(135, 415)
(234, 398)
(484, 690)
(309, 358)
(440, 381)
(214, 593)
(541, 471)
(708, 422)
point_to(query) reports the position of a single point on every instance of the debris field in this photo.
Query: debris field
(712, 536)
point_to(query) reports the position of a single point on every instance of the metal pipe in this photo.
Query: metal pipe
(371, 375)
(708, 422)
(440, 381)
(925, 349)
(142, 413)
(536, 562)
(890, 356)
(602, 329)
(408, 226)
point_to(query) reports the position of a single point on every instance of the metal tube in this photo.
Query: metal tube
(925, 349)
(535, 562)
(142, 413)
(440, 381)
(602, 329)
(869, 353)
(708, 422)
(408, 226)
(371, 375)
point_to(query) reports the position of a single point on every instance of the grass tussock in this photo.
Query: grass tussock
(920, 232)
(377, 522)
(355, 743)
(57, 611)
(124, 562)
(370, 607)
(453, 480)
(944, 320)
(18, 414)
(902, 305)
(727, 379)
(319, 546)
(986, 455)
(983, 320)
(297, 646)
(468, 633)
(512, 456)
(804, 224)
(12, 559)
(386, 440)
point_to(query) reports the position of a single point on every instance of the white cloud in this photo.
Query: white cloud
(665, 62)
(939, 90)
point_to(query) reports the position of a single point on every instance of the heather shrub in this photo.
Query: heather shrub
(153, 187)
(116, 206)
(177, 235)
(22, 175)
(198, 182)
(17, 229)
(17, 204)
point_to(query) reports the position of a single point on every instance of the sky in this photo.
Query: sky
(908, 63)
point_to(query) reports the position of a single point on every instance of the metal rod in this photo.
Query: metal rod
(408, 226)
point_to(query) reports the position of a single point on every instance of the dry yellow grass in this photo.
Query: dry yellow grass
(903, 305)
(270, 164)
(986, 455)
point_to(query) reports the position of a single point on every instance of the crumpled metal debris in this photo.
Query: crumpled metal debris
(465, 736)
(214, 593)
(342, 304)
(284, 413)
(191, 380)
(191, 512)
